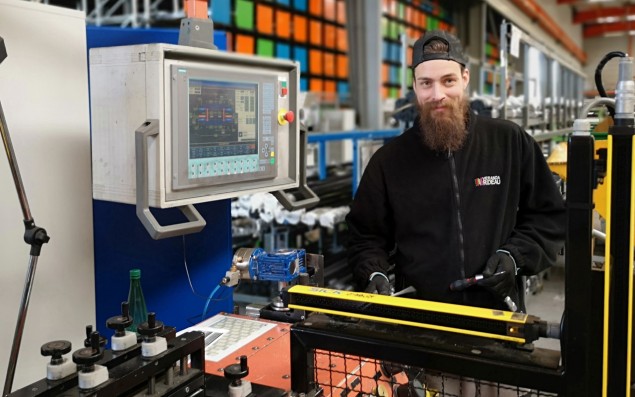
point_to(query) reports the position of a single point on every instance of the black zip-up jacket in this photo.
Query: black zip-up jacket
(442, 215)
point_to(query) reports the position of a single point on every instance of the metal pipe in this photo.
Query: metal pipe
(13, 164)
(33, 235)
(595, 103)
(625, 93)
(19, 328)
(26, 213)
(152, 386)
(598, 234)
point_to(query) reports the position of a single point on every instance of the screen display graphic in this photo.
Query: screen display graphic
(223, 119)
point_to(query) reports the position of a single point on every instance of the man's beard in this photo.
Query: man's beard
(447, 130)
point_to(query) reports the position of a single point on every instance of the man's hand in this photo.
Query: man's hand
(499, 277)
(378, 284)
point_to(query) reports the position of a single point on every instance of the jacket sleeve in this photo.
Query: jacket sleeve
(370, 226)
(540, 226)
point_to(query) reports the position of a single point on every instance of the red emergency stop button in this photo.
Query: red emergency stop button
(285, 116)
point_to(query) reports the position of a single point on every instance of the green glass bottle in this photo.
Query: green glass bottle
(136, 301)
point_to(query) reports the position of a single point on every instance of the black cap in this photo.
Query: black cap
(455, 49)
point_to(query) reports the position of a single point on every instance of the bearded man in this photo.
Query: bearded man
(456, 195)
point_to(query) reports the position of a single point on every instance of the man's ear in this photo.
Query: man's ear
(466, 77)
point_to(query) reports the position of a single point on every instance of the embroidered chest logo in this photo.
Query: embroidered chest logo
(487, 180)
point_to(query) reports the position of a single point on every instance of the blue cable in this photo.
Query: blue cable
(209, 299)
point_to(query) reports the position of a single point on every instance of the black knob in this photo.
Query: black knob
(56, 349)
(150, 328)
(89, 355)
(120, 323)
(89, 332)
(236, 372)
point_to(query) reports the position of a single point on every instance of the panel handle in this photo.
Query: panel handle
(195, 224)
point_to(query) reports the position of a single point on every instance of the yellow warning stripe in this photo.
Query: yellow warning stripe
(412, 323)
(418, 304)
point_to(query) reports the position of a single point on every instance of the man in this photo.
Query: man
(456, 195)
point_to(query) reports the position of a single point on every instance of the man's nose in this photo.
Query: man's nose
(438, 94)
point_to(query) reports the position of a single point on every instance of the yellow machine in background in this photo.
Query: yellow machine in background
(557, 162)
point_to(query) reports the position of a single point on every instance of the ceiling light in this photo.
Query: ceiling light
(609, 19)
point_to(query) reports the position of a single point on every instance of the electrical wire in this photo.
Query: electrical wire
(189, 280)
(211, 296)
(598, 74)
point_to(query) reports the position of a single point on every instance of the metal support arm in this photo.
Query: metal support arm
(33, 235)
(310, 199)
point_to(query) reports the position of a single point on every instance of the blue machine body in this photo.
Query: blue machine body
(283, 265)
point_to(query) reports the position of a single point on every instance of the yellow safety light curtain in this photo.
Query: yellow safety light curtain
(629, 340)
(618, 294)
(607, 267)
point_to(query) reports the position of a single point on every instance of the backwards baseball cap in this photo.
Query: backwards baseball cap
(455, 49)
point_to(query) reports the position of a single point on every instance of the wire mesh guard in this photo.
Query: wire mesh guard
(341, 375)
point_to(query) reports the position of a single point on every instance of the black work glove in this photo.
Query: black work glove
(378, 284)
(499, 277)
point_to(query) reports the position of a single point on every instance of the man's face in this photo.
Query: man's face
(440, 89)
(440, 81)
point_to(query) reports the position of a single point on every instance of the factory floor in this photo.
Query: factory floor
(547, 303)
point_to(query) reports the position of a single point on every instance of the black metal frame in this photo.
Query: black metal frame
(582, 333)
(130, 373)
(620, 257)
(456, 354)
(580, 373)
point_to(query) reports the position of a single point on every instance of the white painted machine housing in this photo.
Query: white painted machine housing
(131, 84)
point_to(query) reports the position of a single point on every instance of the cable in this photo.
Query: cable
(598, 74)
(211, 296)
(189, 280)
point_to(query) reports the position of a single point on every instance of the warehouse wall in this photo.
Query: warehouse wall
(563, 15)
(560, 13)
(44, 94)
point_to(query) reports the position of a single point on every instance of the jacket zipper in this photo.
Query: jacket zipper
(457, 197)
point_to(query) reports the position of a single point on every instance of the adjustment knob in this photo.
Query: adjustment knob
(236, 372)
(89, 355)
(89, 332)
(120, 323)
(150, 328)
(56, 349)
